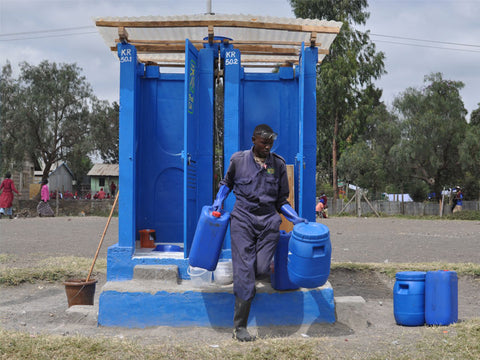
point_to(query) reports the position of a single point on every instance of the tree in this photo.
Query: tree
(372, 162)
(12, 141)
(105, 127)
(50, 114)
(475, 117)
(470, 157)
(433, 128)
(345, 80)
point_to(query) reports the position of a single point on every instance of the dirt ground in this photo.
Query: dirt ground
(41, 308)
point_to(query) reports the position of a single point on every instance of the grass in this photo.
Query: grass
(51, 269)
(390, 269)
(457, 341)
(4, 258)
(55, 269)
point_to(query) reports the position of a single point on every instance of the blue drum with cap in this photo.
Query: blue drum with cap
(409, 298)
(309, 255)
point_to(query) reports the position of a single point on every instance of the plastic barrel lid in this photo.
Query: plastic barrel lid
(410, 275)
(311, 231)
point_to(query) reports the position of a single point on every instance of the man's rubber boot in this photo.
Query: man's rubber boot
(240, 319)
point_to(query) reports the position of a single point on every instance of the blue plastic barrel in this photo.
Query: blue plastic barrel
(409, 298)
(279, 278)
(309, 255)
(441, 297)
(208, 239)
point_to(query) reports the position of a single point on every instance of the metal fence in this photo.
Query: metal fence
(397, 207)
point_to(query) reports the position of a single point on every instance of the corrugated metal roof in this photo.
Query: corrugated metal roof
(104, 170)
(261, 39)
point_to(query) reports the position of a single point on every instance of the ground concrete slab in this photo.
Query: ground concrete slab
(142, 303)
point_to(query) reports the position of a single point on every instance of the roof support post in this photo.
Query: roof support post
(128, 87)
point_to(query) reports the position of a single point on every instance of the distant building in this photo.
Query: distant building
(61, 179)
(102, 175)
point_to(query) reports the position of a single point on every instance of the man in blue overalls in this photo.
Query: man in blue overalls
(259, 181)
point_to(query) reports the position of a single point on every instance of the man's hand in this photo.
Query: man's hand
(221, 196)
(292, 215)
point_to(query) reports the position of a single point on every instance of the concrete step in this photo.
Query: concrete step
(166, 273)
(350, 310)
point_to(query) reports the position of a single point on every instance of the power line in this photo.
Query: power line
(430, 41)
(49, 36)
(47, 31)
(427, 46)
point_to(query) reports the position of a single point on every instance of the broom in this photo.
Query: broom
(103, 236)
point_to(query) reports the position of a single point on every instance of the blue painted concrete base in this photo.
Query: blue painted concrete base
(139, 304)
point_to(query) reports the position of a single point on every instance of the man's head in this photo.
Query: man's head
(263, 138)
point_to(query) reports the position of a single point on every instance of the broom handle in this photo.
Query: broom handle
(103, 236)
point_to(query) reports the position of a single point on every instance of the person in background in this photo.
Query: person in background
(6, 198)
(113, 188)
(101, 194)
(458, 200)
(320, 209)
(43, 208)
(258, 178)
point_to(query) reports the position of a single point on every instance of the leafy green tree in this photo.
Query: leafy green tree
(12, 139)
(475, 117)
(470, 157)
(372, 161)
(79, 162)
(433, 128)
(104, 131)
(345, 83)
(50, 114)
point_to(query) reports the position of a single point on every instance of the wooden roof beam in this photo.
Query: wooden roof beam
(218, 23)
(123, 35)
(244, 42)
(210, 34)
(313, 38)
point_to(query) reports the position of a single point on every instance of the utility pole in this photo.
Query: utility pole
(209, 7)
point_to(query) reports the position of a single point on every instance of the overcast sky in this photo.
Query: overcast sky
(418, 37)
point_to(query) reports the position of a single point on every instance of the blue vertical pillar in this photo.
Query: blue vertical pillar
(205, 129)
(128, 87)
(232, 115)
(309, 133)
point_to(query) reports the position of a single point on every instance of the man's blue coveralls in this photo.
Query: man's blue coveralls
(260, 192)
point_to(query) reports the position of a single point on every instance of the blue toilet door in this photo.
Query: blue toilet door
(197, 154)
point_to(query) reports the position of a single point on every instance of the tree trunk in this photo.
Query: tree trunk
(334, 165)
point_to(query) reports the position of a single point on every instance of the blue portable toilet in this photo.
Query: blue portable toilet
(167, 148)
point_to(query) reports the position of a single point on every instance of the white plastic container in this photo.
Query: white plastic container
(199, 277)
(223, 274)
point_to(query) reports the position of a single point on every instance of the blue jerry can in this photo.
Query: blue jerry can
(279, 278)
(208, 238)
(441, 297)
